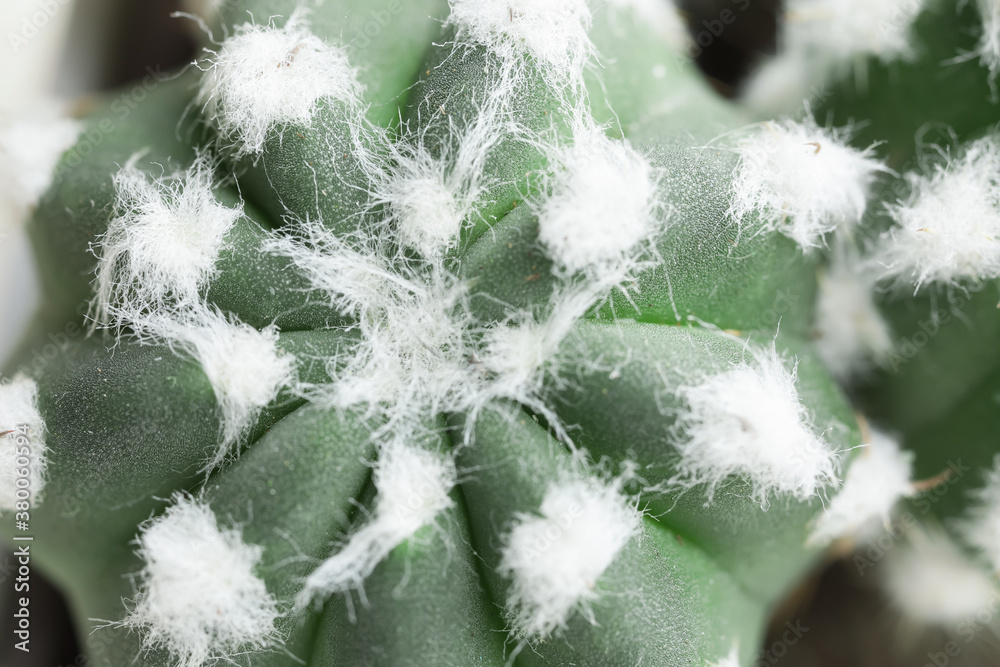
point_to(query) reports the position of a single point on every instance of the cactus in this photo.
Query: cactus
(480, 332)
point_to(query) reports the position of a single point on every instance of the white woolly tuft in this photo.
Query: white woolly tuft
(413, 487)
(413, 355)
(934, 583)
(157, 257)
(553, 32)
(264, 77)
(518, 353)
(430, 199)
(163, 242)
(602, 204)
(804, 180)
(842, 30)
(820, 38)
(981, 529)
(556, 558)
(244, 366)
(949, 229)
(22, 449)
(30, 149)
(749, 421)
(988, 48)
(876, 480)
(419, 349)
(430, 215)
(200, 598)
(851, 332)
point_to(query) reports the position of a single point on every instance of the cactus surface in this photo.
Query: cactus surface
(484, 332)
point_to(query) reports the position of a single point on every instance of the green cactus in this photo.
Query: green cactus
(480, 332)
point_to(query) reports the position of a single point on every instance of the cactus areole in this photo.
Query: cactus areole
(482, 332)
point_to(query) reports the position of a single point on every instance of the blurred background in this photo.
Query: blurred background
(74, 48)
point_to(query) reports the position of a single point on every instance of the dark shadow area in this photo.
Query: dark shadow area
(730, 36)
(842, 618)
(53, 641)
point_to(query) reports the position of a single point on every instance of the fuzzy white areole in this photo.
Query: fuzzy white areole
(554, 559)
(749, 421)
(980, 527)
(932, 582)
(245, 367)
(264, 77)
(803, 180)
(163, 243)
(553, 32)
(200, 597)
(948, 230)
(842, 30)
(30, 150)
(877, 479)
(988, 48)
(603, 203)
(413, 487)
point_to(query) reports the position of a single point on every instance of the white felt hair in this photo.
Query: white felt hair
(263, 78)
(431, 198)
(555, 559)
(163, 242)
(802, 180)
(933, 582)
(981, 526)
(553, 32)
(200, 597)
(413, 487)
(988, 48)
(30, 149)
(749, 421)
(877, 479)
(842, 30)
(949, 228)
(244, 365)
(603, 202)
